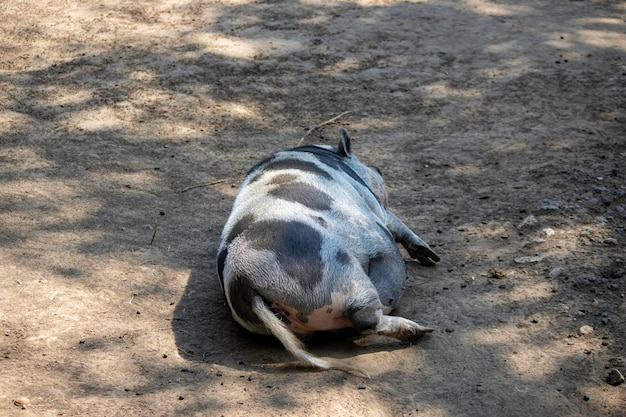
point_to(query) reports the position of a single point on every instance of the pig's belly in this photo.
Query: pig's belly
(328, 317)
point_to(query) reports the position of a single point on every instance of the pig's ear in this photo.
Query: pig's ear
(344, 147)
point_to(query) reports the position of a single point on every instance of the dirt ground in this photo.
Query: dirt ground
(500, 127)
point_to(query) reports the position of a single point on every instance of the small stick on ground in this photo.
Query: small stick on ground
(156, 226)
(327, 122)
(204, 184)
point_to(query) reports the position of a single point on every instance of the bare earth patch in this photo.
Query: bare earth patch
(500, 128)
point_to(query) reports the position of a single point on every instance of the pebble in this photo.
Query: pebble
(556, 272)
(528, 259)
(548, 231)
(549, 205)
(528, 221)
(585, 330)
(610, 241)
(615, 378)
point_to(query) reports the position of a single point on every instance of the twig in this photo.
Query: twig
(156, 225)
(204, 184)
(327, 122)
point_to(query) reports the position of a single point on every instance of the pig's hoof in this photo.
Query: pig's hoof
(423, 254)
(401, 328)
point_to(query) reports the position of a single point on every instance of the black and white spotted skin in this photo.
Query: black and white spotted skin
(311, 246)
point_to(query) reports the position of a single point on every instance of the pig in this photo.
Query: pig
(310, 246)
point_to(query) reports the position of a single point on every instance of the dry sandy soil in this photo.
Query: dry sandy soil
(500, 127)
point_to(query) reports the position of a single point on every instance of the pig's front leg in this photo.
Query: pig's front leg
(415, 246)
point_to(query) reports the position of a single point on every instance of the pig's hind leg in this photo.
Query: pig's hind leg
(387, 272)
(365, 311)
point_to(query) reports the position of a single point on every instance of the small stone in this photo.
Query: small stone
(528, 221)
(556, 272)
(548, 231)
(617, 362)
(22, 402)
(180, 398)
(528, 259)
(164, 355)
(361, 387)
(585, 398)
(549, 205)
(219, 373)
(615, 378)
(585, 330)
(610, 241)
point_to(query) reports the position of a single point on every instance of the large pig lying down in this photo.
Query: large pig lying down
(311, 246)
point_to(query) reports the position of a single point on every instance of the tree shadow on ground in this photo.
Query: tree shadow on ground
(475, 131)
